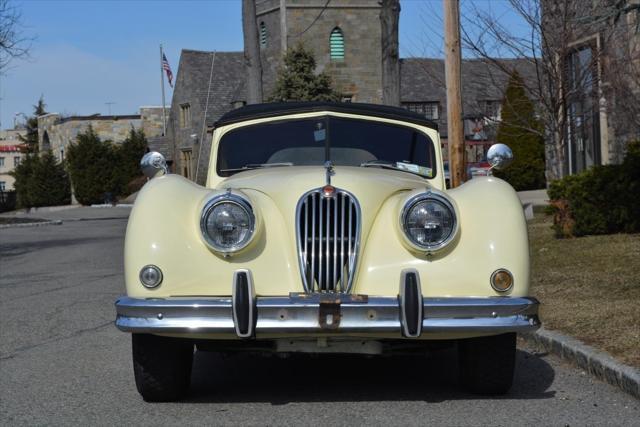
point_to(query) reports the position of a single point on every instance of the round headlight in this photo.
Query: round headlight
(227, 223)
(428, 221)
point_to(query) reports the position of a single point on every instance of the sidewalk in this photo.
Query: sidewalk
(72, 213)
(534, 197)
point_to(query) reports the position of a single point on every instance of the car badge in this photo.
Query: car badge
(328, 191)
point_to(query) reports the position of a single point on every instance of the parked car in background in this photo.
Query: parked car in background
(324, 228)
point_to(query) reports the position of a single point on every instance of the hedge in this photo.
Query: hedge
(599, 200)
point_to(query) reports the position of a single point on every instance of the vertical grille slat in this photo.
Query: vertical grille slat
(330, 227)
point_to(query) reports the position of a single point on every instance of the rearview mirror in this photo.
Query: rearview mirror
(499, 156)
(153, 164)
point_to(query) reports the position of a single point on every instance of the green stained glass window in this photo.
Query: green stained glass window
(263, 35)
(336, 45)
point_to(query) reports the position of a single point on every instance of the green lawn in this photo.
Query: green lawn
(589, 287)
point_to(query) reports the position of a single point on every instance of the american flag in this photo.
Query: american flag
(167, 69)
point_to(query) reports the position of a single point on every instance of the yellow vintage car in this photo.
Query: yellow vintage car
(324, 228)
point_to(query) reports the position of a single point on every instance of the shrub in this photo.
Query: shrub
(600, 200)
(41, 181)
(91, 163)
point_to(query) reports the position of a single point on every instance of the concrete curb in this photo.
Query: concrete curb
(31, 224)
(597, 363)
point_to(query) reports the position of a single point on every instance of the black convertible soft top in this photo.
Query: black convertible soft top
(273, 109)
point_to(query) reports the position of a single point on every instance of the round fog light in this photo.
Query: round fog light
(150, 276)
(501, 280)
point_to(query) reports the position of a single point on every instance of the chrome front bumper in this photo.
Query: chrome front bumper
(302, 315)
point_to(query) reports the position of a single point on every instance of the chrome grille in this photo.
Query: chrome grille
(328, 235)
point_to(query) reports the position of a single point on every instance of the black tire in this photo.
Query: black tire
(487, 363)
(161, 366)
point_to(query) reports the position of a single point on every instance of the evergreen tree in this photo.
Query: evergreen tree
(49, 184)
(129, 154)
(92, 163)
(41, 181)
(521, 130)
(22, 174)
(31, 138)
(297, 80)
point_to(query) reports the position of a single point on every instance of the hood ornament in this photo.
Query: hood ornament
(328, 190)
(330, 172)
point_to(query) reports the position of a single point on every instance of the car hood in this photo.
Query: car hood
(285, 185)
(282, 183)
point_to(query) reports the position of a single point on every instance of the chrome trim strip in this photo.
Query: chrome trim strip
(403, 302)
(289, 316)
(252, 298)
(324, 243)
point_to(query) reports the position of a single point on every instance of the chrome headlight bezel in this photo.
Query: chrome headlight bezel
(229, 198)
(410, 203)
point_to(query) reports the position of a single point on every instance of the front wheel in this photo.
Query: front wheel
(161, 366)
(487, 363)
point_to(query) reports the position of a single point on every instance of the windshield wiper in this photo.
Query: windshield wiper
(385, 164)
(257, 166)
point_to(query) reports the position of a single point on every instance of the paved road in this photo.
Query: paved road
(63, 362)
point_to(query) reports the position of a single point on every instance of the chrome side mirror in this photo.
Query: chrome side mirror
(153, 164)
(499, 156)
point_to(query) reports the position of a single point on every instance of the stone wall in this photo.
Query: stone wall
(56, 132)
(309, 22)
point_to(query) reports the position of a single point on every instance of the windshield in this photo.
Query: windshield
(309, 142)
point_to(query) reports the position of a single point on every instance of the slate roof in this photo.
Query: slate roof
(423, 79)
(274, 109)
(192, 81)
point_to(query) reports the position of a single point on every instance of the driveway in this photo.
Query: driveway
(63, 362)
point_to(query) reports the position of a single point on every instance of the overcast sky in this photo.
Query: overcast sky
(88, 53)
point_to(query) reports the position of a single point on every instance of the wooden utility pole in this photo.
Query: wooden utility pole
(389, 19)
(452, 61)
(252, 52)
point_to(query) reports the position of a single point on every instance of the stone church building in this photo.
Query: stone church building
(345, 37)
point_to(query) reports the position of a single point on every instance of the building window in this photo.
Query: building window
(16, 161)
(186, 164)
(3, 186)
(1, 161)
(491, 109)
(185, 115)
(263, 35)
(346, 98)
(583, 123)
(336, 45)
(431, 110)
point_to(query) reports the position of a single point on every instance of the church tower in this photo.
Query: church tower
(344, 36)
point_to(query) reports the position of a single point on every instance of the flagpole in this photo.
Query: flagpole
(164, 114)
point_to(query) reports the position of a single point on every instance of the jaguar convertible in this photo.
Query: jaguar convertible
(324, 228)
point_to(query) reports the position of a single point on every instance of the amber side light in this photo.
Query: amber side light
(501, 280)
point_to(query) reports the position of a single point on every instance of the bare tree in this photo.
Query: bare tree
(548, 44)
(252, 52)
(389, 19)
(13, 44)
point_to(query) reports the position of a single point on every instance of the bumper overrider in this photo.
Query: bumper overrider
(245, 315)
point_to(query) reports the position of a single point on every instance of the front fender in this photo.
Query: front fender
(164, 230)
(492, 235)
